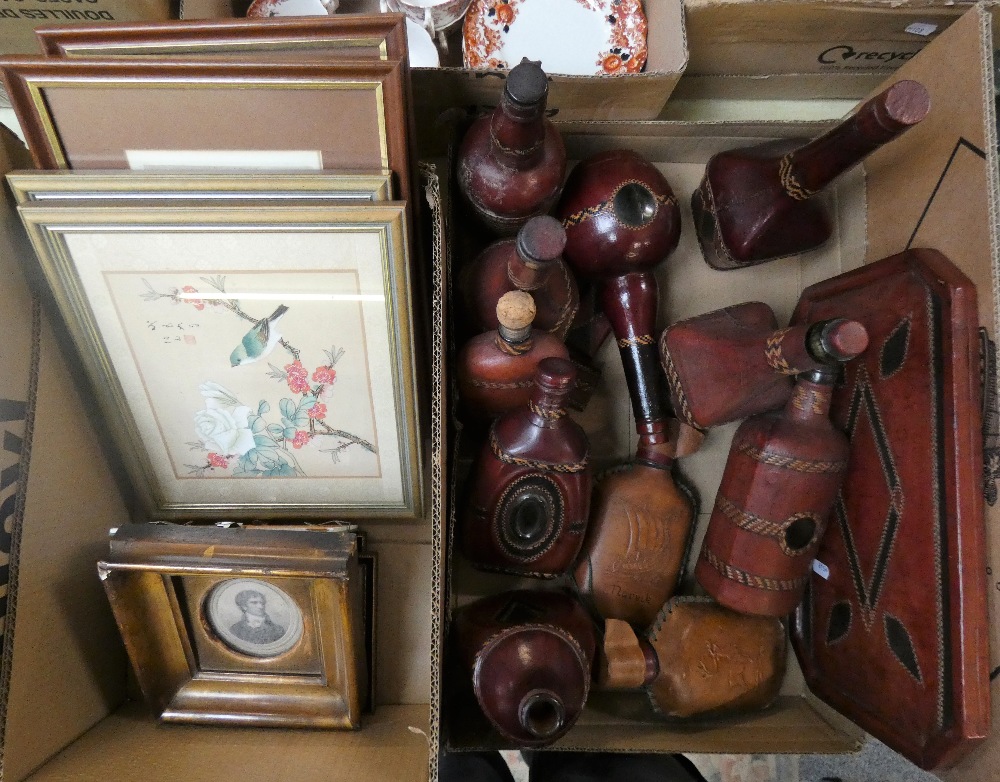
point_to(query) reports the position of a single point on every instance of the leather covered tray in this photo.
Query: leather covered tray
(895, 637)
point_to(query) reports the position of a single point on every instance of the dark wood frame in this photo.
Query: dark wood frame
(353, 36)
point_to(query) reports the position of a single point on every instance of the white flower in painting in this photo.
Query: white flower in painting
(217, 395)
(223, 426)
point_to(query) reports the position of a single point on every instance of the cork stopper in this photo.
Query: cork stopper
(527, 83)
(516, 311)
(541, 240)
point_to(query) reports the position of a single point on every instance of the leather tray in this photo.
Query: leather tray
(895, 636)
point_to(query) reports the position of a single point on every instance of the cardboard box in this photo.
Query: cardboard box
(64, 701)
(635, 96)
(933, 187)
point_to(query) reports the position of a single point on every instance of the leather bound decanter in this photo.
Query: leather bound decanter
(529, 497)
(622, 220)
(511, 163)
(735, 362)
(496, 369)
(532, 263)
(781, 480)
(757, 204)
(698, 658)
(529, 655)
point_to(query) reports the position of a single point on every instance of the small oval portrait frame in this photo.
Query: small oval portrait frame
(253, 617)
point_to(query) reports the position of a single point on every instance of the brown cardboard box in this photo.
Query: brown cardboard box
(19, 20)
(933, 187)
(635, 96)
(64, 712)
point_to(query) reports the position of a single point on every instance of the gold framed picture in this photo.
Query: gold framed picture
(241, 626)
(93, 186)
(248, 362)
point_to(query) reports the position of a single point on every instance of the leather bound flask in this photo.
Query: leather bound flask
(529, 656)
(698, 658)
(511, 163)
(757, 204)
(529, 497)
(532, 263)
(778, 488)
(735, 362)
(496, 369)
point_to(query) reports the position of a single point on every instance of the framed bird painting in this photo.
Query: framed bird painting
(248, 362)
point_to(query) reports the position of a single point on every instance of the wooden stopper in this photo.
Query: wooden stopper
(541, 240)
(905, 103)
(622, 662)
(516, 310)
(845, 339)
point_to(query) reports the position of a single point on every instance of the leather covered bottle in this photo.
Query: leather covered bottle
(529, 498)
(735, 362)
(529, 655)
(756, 204)
(533, 263)
(698, 658)
(781, 480)
(496, 369)
(622, 221)
(511, 163)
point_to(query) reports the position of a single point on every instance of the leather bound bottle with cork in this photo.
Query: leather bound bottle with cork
(756, 204)
(529, 656)
(697, 658)
(531, 262)
(622, 221)
(496, 369)
(511, 163)
(735, 362)
(784, 471)
(529, 499)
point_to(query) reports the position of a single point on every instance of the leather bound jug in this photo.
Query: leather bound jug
(782, 477)
(529, 655)
(532, 263)
(756, 204)
(698, 658)
(530, 488)
(511, 163)
(735, 362)
(496, 370)
(622, 221)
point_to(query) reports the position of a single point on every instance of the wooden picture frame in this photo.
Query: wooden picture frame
(217, 409)
(241, 626)
(348, 36)
(95, 186)
(119, 114)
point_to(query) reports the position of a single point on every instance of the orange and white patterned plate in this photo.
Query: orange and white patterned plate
(578, 37)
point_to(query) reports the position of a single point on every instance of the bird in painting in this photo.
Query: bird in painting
(260, 340)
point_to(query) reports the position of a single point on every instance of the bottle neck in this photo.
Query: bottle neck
(517, 133)
(527, 274)
(513, 342)
(654, 449)
(810, 399)
(548, 405)
(812, 167)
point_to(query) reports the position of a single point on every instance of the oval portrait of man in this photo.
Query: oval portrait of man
(254, 617)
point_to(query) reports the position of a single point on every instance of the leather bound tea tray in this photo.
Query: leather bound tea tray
(895, 636)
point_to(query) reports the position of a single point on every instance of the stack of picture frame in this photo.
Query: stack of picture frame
(224, 215)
